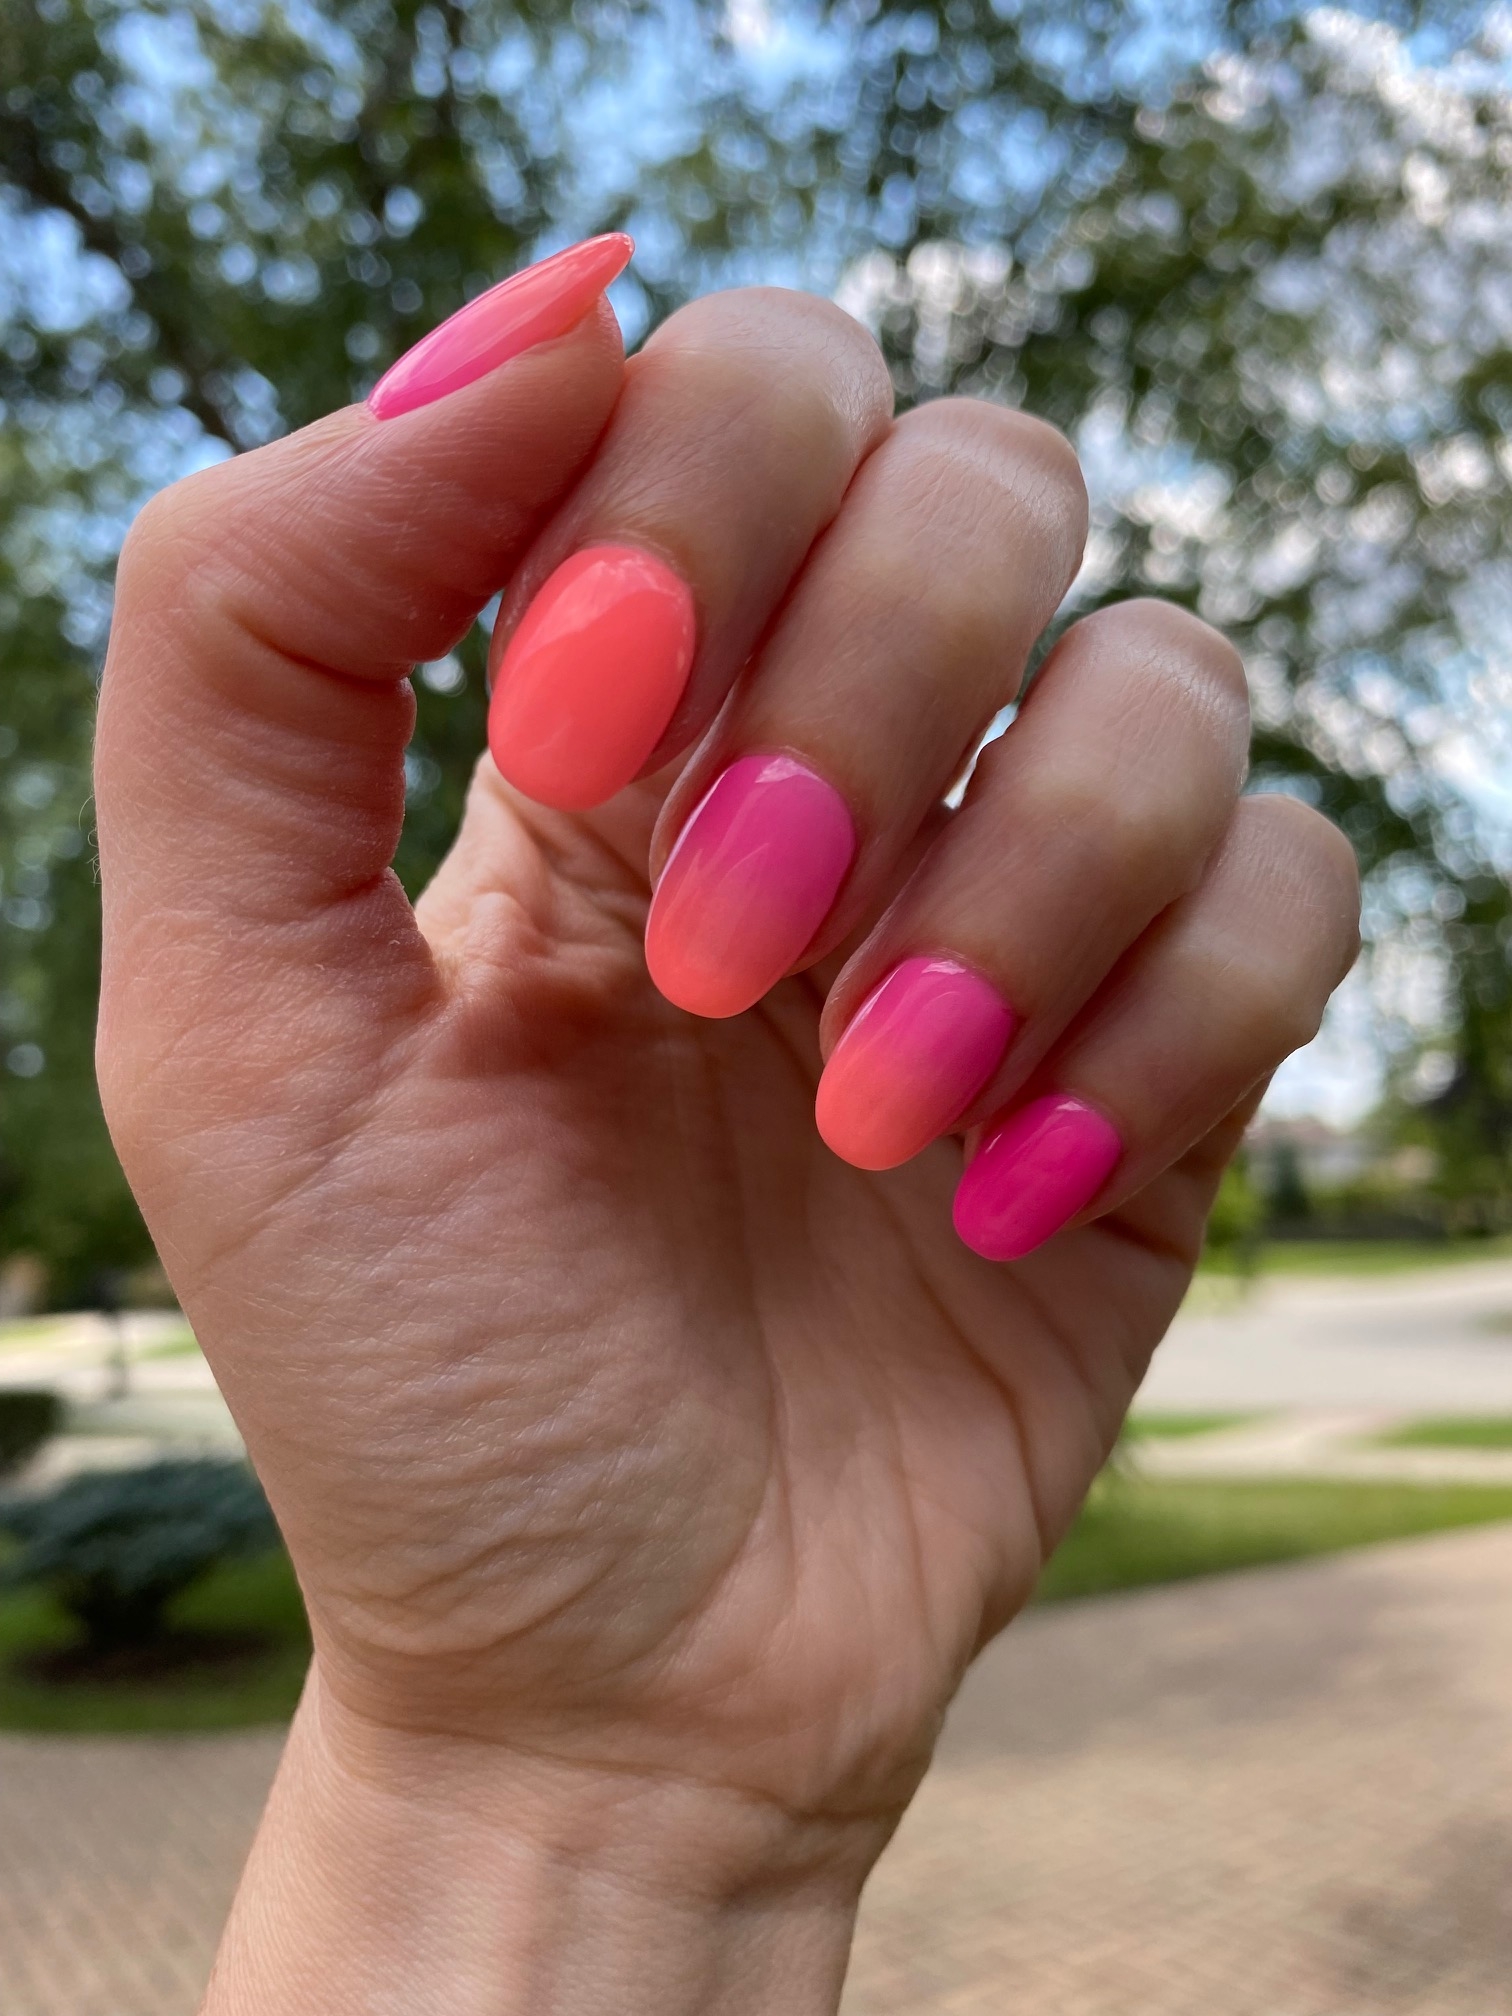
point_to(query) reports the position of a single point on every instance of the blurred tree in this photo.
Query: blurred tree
(1286, 1198)
(1236, 1226)
(1250, 259)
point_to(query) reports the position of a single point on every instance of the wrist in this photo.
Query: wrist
(396, 1871)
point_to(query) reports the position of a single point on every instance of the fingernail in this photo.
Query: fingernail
(912, 1058)
(1034, 1170)
(750, 881)
(545, 300)
(590, 678)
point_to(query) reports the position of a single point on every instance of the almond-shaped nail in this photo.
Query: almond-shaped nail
(544, 301)
(748, 884)
(1034, 1171)
(591, 677)
(910, 1061)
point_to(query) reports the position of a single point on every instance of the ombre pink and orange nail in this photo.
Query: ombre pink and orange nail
(921, 1048)
(911, 1059)
(755, 872)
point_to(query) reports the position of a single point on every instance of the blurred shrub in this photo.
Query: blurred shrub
(1373, 1206)
(115, 1547)
(1237, 1219)
(29, 1416)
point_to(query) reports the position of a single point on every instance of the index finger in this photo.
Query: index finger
(255, 704)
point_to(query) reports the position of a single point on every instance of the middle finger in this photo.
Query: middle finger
(906, 631)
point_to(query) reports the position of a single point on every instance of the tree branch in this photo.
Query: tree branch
(26, 165)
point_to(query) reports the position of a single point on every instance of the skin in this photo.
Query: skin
(651, 1474)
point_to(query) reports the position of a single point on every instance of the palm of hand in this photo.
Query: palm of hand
(680, 1430)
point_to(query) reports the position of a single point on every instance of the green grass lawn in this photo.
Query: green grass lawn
(1140, 1530)
(28, 1332)
(1359, 1256)
(1481, 1431)
(182, 1345)
(259, 1596)
(1141, 1427)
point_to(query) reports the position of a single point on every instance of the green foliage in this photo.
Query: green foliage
(29, 1416)
(115, 1547)
(1453, 1431)
(1237, 1219)
(1139, 1530)
(1143, 1427)
(1242, 265)
(1287, 1200)
(1333, 1258)
(251, 1609)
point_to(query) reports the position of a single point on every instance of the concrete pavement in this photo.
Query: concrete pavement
(1344, 1444)
(1437, 1340)
(1284, 1793)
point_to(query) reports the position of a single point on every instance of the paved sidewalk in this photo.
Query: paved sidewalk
(1430, 1340)
(1340, 1444)
(1287, 1793)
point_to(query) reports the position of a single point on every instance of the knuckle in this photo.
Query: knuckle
(1283, 913)
(1291, 1013)
(1268, 1008)
(1164, 635)
(119, 1076)
(1030, 462)
(1319, 873)
(1165, 649)
(937, 616)
(756, 346)
(1135, 837)
(155, 537)
(170, 540)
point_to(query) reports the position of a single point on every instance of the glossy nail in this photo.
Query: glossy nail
(910, 1061)
(544, 301)
(751, 879)
(590, 679)
(1035, 1169)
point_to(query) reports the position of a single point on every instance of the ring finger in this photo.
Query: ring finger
(1097, 809)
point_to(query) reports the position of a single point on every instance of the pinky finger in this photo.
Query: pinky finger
(1226, 984)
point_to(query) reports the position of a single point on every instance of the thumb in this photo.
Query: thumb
(254, 709)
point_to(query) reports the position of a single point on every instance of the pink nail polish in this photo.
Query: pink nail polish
(590, 678)
(912, 1058)
(1035, 1169)
(545, 300)
(751, 879)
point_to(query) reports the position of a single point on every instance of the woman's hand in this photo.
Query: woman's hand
(651, 1472)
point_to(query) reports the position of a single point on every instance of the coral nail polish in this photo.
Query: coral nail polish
(544, 301)
(591, 677)
(910, 1061)
(750, 880)
(1035, 1169)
